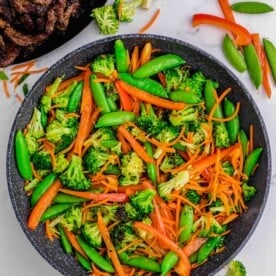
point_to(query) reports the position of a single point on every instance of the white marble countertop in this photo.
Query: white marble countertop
(18, 257)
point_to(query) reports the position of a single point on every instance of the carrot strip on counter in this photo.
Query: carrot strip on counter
(150, 23)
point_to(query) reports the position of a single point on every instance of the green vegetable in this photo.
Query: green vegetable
(252, 7)
(186, 223)
(142, 201)
(244, 142)
(236, 268)
(185, 97)
(146, 84)
(253, 65)
(106, 19)
(207, 248)
(233, 55)
(270, 52)
(249, 191)
(193, 196)
(91, 233)
(55, 210)
(150, 124)
(95, 256)
(121, 56)
(171, 161)
(99, 94)
(151, 169)
(126, 10)
(3, 76)
(168, 262)
(42, 187)
(42, 160)
(64, 240)
(71, 219)
(251, 161)
(157, 65)
(83, 261)
(75, 98)
(66, 198)
(104, 64)
(233, 126)
(115, 118)
(22, 156)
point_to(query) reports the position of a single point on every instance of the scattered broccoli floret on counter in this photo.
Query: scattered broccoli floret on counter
(249, 191)
(73, 177)
(171, 161)
(142, 201)
(150, 124)
(193, 196)
(126, 10)
(106, 19)
(173, 77)
(42, 160)
(132, 167)
(72, 218)
(91, 234)
(94, 159)
(221, 135)
(228, 168)
(236, 268)
(104, 64)
(175, 183)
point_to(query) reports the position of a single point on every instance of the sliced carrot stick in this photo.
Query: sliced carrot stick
(193, 245)
(150, 22)
(108, 242)
(186, 265)
(134, 61)
(86, 111)
(43, 203)
(125, 99)
(135, 145)
(73, 240)
(6, 88)
(67, 82)
(146, 53)
(149, 98)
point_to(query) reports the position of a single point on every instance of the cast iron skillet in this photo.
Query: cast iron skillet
(242, 229)
(57, 38)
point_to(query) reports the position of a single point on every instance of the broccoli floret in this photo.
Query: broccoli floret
(193, 196)
(221, 136)
(236, 268)
(132, 167)
(94, 159)
(142, 201)
(73, 177)
(190, 114)
(193, 83)
(171, 161)
(173, 77)
(91, 234)
(168, 134)
(106, 19)
(112, 95)
(216, 205)
(122, 234)
(214, 229)
(72, 218)
(228, 168)
(100, 137)
(62, 99)
(104, 64)
(32, 143)
(61, 163)
(42, 160)
(35, 128)
(127, 212)
(150, 124)
(249, 191)
(175, 183)
(126, 10)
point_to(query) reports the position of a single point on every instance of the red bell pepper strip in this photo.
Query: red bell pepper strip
(243, 37)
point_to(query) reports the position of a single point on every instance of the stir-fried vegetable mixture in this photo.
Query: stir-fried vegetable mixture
(137, 163)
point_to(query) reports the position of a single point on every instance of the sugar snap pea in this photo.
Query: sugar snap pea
(233, 126)
(157, 65)
(42, 187)
(232, 54)
(83, 261)
(186, 223)
(121, 56)
(95, 256)
(207, 248)
(66, 198)
(99, 94)
(145, 84)
(168, 262)
(244, 142)
(151, 169)
(75, 98)
(252, 7)
(270, 51)
(115, 118)
(251, 161)
(253, 65)
(184, 97)
(55, 210)
(22, 156)
(66, 245)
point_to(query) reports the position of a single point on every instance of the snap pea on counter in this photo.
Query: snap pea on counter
(67, 210)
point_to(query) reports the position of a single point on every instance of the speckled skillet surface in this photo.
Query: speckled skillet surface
(242, 229)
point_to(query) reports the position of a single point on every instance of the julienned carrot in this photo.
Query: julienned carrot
(193, 245)
(6, 88)
(43, 203)
(146, 53)
(73, 240)
(226, 9)
(134, 61)
(150, 22)
(125, 99)
(86, 111)
(24, 65)
(67, 82)
(186, 265)
(149, 98)
(135, 145)
(109, 245)
(113, 197)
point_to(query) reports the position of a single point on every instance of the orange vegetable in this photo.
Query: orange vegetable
(150, 22)
(73, 240)
(125, 99)
(146, 53)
